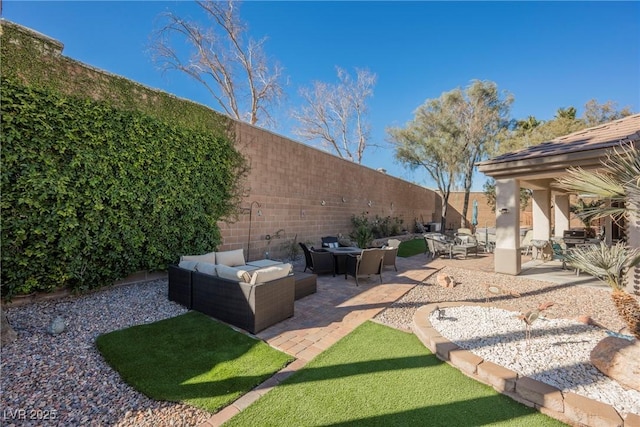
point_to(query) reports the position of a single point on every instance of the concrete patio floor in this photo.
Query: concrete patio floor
(339, 306)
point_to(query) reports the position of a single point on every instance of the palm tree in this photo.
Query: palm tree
(618, 181)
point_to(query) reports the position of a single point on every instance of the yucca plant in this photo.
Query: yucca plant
(618, 181)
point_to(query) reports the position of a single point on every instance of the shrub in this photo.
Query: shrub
(91, 193)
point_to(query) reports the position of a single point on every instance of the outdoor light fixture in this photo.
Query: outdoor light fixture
(504, 210)
(370, 203)
(323, 203)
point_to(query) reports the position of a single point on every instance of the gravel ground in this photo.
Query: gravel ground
(62, 380)
(569, 301)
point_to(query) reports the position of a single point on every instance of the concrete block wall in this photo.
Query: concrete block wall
(310, 193)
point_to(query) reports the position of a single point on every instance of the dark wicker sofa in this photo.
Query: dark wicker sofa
(250, 307)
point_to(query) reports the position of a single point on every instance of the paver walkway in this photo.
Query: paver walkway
(336, 309)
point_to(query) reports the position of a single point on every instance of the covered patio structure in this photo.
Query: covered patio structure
(537, 168)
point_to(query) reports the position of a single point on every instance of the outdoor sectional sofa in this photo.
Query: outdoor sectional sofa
(244, 296)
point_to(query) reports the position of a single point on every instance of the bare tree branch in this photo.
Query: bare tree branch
(231, 66)
(335, 115)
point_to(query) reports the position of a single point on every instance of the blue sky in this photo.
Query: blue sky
(549, 55)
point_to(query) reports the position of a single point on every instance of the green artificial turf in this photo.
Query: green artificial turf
(382, 376)
(412, 247)
(190, 358)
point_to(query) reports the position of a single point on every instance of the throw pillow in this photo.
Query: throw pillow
(234, 274)
(210, 257)
(271, 273)
(188, 265)
(206, 268)
(231, 258)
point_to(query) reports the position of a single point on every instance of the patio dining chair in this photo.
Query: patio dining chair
(391, 253)
(317, 261)
(368, 263)
(330, 242)
(559, 254)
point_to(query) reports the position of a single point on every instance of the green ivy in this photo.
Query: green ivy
(35, 61)
(92, 193)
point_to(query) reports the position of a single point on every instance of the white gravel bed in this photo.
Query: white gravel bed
(63, 380)
(557, 352)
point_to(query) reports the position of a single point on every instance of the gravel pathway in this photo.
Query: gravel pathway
(558, 352)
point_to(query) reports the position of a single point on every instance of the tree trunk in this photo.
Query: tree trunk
(443, 219)
(629, 310)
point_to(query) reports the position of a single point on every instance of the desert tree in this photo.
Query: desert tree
(482, 113)
(231, 65)
(449, 135)
(428, 142)
(334, 115)
(595, 114)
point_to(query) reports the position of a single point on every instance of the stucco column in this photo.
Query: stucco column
(633, 240)
(541, 210)
(561, 214)
(507, 258)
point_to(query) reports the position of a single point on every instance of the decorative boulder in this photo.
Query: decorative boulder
(8, 334)
(619, 359)
(57, 326)
(445, 280)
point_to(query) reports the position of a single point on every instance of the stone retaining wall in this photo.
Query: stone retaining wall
(567, 407)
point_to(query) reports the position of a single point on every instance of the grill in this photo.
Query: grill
(574, 237)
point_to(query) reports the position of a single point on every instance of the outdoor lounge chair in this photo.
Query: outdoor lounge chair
(368, 263)
(465, 244)
(437, 244)
(318, 261)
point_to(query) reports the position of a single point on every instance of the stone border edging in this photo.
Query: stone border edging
(567, 407)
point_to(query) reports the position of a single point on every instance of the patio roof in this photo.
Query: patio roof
(538, 165)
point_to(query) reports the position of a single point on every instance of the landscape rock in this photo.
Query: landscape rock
(57, 326)
(618, 358)
(445, 280)
(8, 335)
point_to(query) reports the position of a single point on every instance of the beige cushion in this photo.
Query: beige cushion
(230, 258)
(188, 265)
(268, 274)
(231, 273)
(210, 257)
(206, 268)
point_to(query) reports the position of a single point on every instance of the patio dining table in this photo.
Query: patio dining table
(340, 257)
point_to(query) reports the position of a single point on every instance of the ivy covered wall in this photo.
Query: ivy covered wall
(96, 185)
